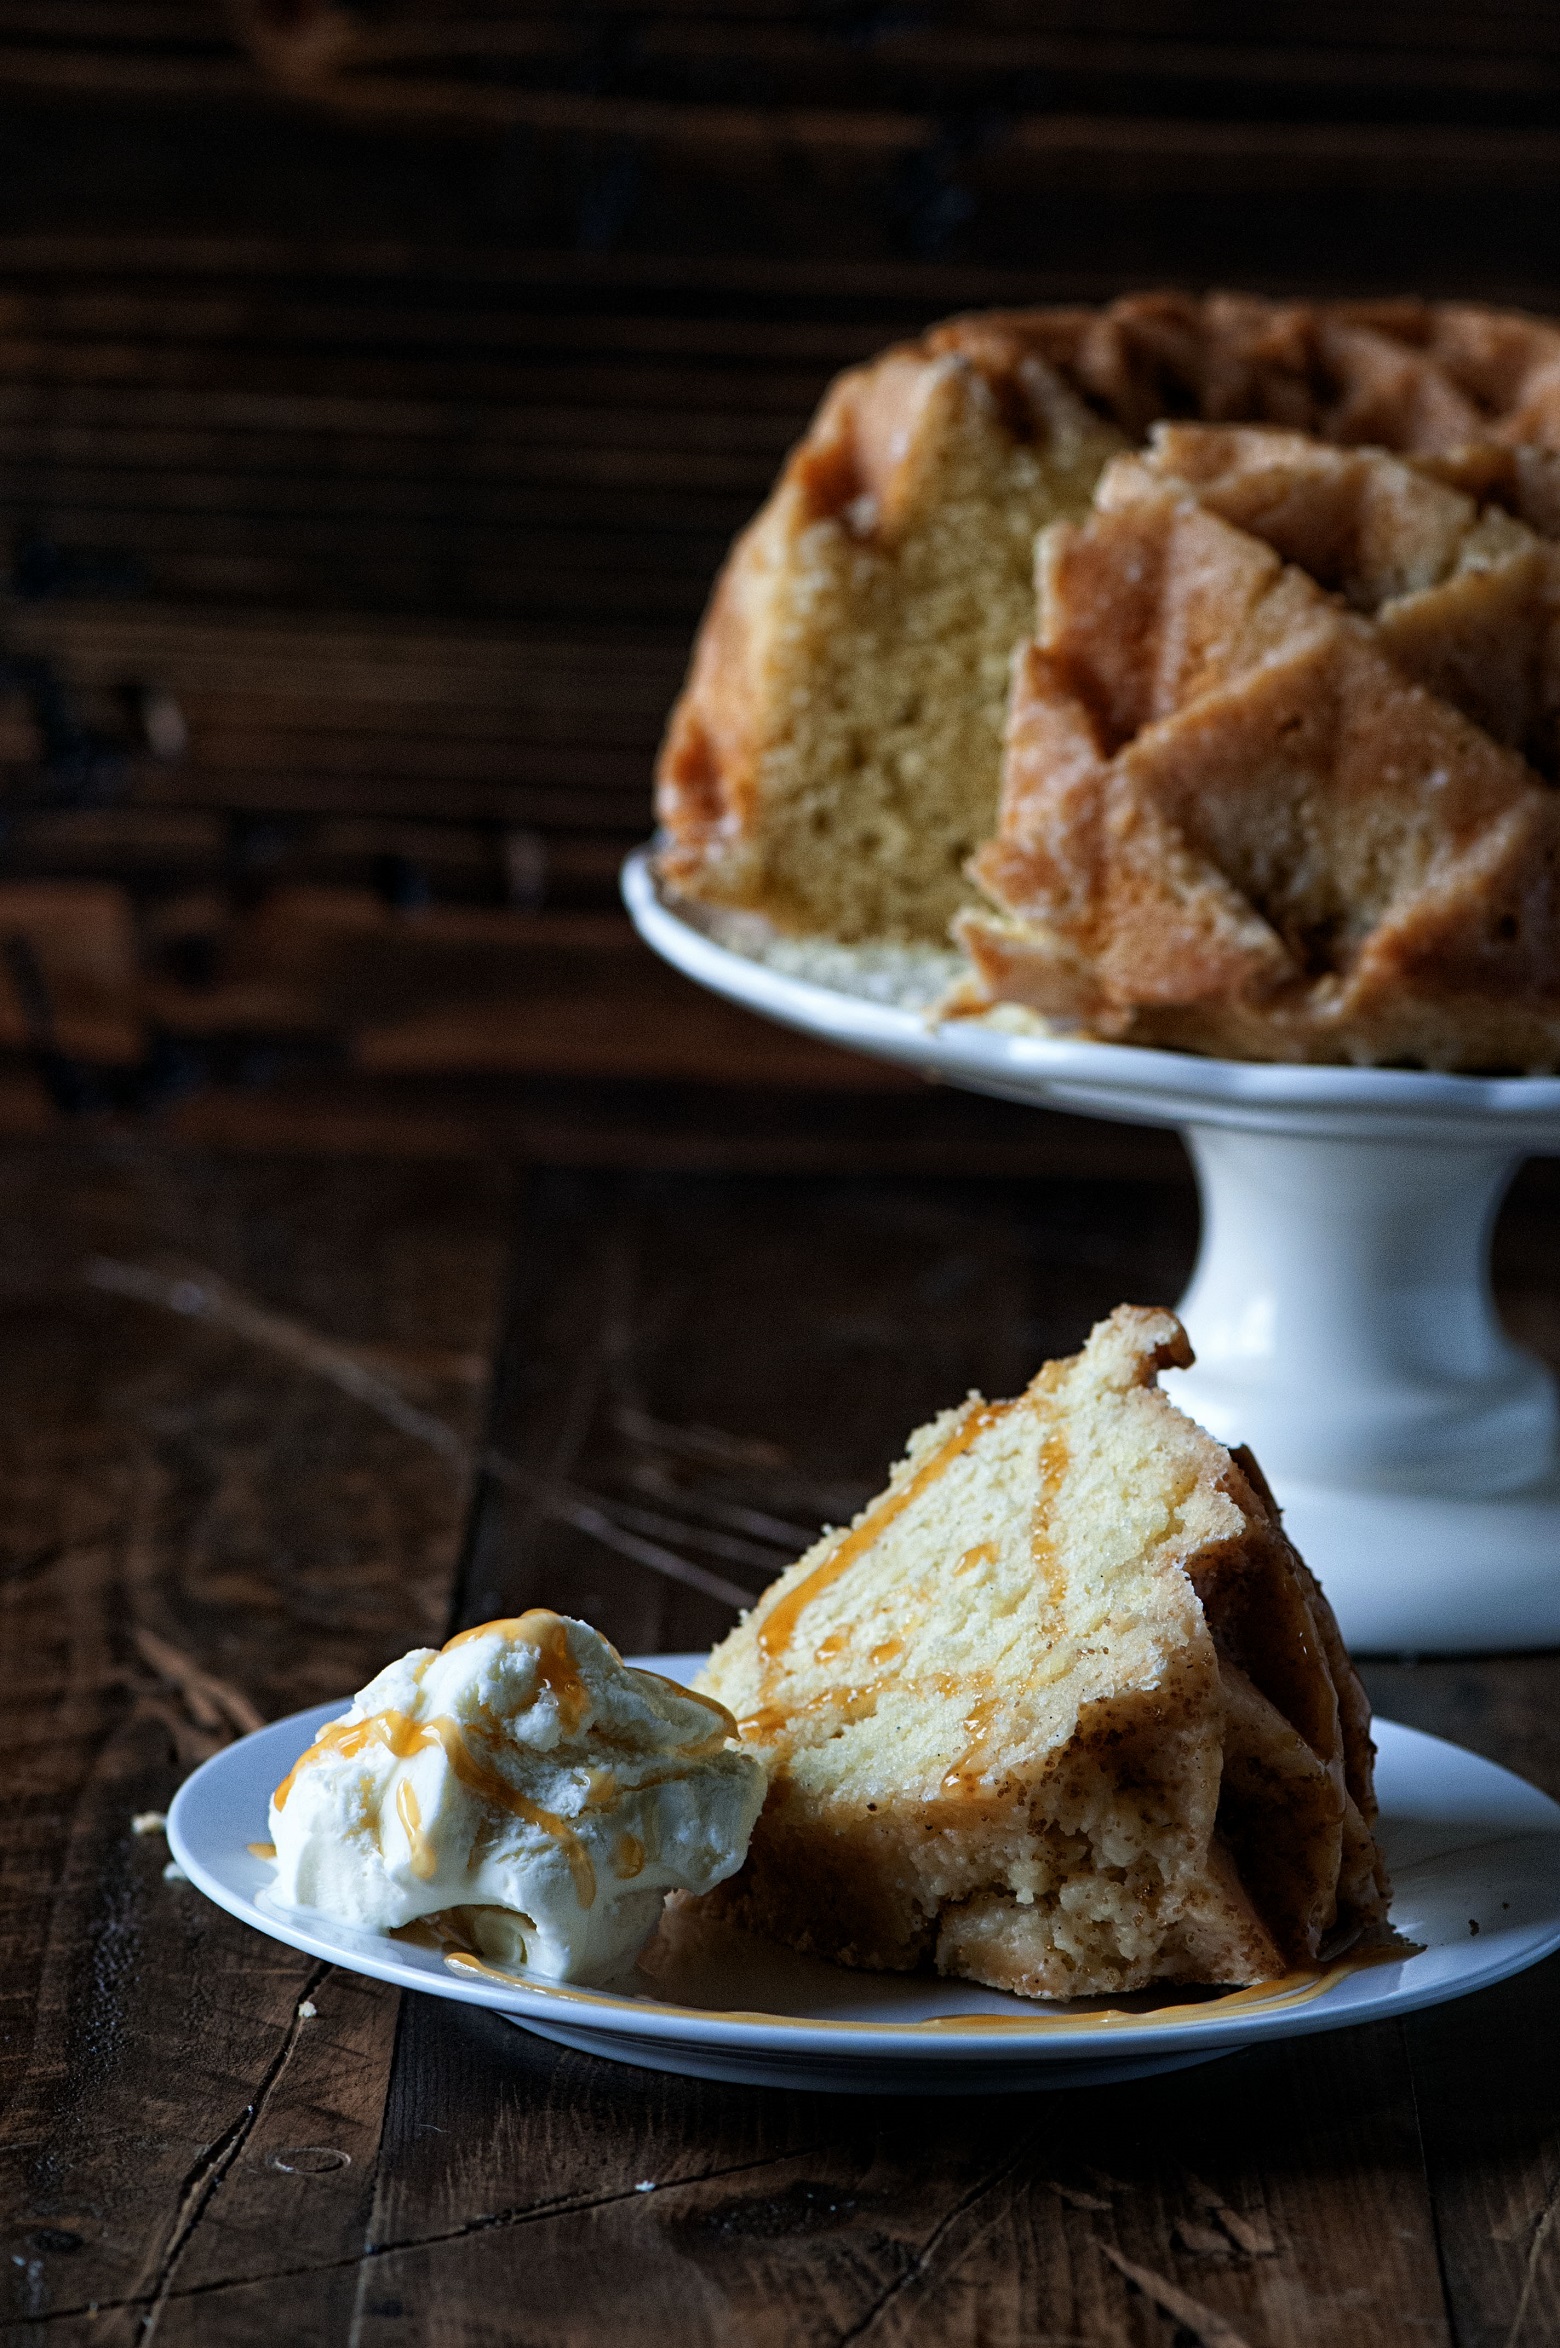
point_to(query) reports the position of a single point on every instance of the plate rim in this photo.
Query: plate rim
(1044, 2036)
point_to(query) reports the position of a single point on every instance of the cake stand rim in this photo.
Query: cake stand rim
(1133, 1082)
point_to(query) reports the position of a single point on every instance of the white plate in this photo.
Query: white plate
(1468, 1844)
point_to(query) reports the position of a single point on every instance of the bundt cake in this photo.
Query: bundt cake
(1280, 761)
(835, 761)
(1061, 1711)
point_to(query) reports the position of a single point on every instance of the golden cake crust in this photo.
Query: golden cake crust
(1277, 775)
(1062, 1711)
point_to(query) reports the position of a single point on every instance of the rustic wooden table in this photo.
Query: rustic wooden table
(257, 1416)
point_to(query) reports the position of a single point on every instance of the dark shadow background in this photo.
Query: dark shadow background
(379, 389)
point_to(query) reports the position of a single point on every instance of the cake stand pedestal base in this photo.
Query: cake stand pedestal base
(1410, 1575)
(1345, 1329)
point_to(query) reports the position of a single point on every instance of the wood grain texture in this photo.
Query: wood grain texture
(249, 1401)
(196, 1502)
(386, 412)
(706, 2214)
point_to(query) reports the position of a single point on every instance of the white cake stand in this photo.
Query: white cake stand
(1341, 1308)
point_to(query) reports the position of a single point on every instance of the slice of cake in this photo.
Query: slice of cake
(835, 757)
(1062, 1711)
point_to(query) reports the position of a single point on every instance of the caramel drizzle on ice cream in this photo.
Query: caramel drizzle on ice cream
(424, 1858)
(402, 1736)
(556, 1669)
(555, 1664)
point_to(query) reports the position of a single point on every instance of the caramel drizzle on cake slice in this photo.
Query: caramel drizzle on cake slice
(776, 1630)
(775, 1634)
(964, 1779)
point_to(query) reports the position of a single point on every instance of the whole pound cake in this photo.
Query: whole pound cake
(837, 757)
(1062, 1711)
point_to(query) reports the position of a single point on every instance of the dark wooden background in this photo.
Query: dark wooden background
(378, 390)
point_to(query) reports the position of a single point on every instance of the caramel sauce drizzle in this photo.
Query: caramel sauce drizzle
(422, 1933)
(850, 1704)
(963, 1780)
(460, 1962)
(727, 1726)
(964, 1776)
(555, 1664)
(779, 1624)
(1049, 1569)
(983, 1553)
(424, 1858)
(557, 1670)
(1283, 1992)
(445, 1928)
(397, 1731)
(402, 1736)
(628, 1857)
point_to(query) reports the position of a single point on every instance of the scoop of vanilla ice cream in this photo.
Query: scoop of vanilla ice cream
(523, 1768)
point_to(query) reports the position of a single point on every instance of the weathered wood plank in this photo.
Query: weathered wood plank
(593, 2197)
(193, 1491)
(262, 415)
(1487, 2073)
(633, 1367)
(674, 1128)
(1487, 2088)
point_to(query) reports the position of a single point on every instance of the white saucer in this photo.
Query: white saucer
(1468, 1844)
